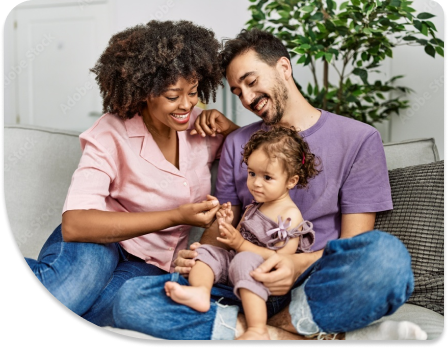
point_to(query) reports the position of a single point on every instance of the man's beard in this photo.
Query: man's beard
(279, 98)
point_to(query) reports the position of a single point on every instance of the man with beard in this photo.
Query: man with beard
(354, 275)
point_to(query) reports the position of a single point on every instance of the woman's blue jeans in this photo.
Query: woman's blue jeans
(356, 282)
(86, 276)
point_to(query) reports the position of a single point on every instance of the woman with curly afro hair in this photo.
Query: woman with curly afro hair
(144, 176)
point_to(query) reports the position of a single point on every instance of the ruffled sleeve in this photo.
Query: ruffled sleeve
(281, 234)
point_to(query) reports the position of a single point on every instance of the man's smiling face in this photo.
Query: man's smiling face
(259, 86)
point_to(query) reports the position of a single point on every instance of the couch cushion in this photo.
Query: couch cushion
(429, 321)
(410, 153)
(39, 164)
(417, 219)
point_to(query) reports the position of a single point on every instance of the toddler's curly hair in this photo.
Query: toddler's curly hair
(289, 147)
(145, 59)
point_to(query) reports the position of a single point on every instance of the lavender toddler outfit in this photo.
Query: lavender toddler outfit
(233, 269)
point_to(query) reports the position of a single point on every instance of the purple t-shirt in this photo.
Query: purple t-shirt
(354, 177)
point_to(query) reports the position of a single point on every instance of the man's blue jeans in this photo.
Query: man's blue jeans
(86, 276)
(356, 282)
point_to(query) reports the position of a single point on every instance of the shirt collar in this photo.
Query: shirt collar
(135, 126)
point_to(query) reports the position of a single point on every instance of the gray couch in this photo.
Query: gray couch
(39, 163)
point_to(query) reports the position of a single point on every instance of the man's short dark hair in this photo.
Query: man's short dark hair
(268, 47)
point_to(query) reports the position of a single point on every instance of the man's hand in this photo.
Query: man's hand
(211, 122)
(282, 277)
(184, 261)
(197, 214)
(232, 237)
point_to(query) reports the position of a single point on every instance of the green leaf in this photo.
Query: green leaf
(422, 42)
(409, 38)
(395, 3)
(424, 29)
(308, 8)
(307, 60)
(328, 57)
(318, 16)
(357, 93)
(440, 51)
(343, 5)
(362, 73)
(298, 50)
(284, 14)
(430, 25)
(321, 27)
(355, 2)
(301, 60)
(418, 25)
(305, 46)
(359, 63)
(429, 49)
(319, 54)
(364, 56)
(369, 9)
(366, 31)
(310, 89)
(425, 15)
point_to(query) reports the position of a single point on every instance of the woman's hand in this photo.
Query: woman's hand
(184, 260)
(232, 236)
(197, 214)
(212, 122)
(282, 277)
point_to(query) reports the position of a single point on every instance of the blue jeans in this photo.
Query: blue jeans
(356, 282)
(86, 277)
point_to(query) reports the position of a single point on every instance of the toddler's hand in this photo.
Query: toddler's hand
(225, 213)
(232, 236)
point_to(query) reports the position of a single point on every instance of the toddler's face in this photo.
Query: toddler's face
(266, 178)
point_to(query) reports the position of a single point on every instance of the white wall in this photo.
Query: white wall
(10, 73)
(424, 74)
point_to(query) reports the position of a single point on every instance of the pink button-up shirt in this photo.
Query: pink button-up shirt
(123, 170)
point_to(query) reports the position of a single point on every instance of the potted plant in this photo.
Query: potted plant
(354, 40)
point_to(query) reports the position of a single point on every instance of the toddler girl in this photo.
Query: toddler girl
(277, 161)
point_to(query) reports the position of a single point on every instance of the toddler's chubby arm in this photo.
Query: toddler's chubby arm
(291, 247)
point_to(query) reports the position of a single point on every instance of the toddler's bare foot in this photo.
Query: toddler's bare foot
(194, 297)
(255, 334)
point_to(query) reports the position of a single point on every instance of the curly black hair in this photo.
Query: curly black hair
(268, 47)
(289, 147)
(144, 60)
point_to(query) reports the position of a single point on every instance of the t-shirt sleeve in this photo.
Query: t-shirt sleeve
(92, 179)
(366, 188)
(225, 182)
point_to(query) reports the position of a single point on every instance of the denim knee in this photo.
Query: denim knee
(390, 261)
(359, 280)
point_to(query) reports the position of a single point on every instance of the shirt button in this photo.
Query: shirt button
(170, 249)
(185, 183)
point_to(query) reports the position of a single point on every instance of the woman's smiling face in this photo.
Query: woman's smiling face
(173, 107)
